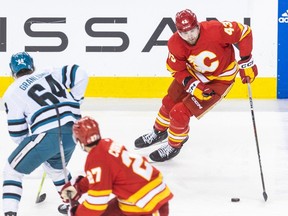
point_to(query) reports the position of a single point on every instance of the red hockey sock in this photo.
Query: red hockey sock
(179, 125)
(162, 120)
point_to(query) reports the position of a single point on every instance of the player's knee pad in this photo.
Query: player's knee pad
(57, 175)
(167, 103)
(179, 116)
(11, 174)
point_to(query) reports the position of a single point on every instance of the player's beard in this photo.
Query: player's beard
(192, 41)
(190, 38)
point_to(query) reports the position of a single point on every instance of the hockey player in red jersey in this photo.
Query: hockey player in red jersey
(110, 169)
(202, 61)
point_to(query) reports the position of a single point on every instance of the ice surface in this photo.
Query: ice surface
(218, 162)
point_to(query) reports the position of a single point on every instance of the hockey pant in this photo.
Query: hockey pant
(178, 107)
(31, 153)
(114, 210)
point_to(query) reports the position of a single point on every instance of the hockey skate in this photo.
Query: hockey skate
(63, 209)
(166, 152)
(10, 214)
(151, 138)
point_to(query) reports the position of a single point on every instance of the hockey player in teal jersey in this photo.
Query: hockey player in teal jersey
(39, 104)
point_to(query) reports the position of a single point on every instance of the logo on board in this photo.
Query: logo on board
(284, 17)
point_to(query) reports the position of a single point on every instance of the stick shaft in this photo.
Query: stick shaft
(256, 138)
(62, 153)
(41, 185)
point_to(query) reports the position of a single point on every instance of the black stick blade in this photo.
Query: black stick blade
(265, 196)
(41, 198)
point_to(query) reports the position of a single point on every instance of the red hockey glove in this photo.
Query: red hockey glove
(198, 89)
(248, 70)
(69, 192)
(72, 192)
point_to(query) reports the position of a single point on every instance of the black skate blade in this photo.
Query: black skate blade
(150, 160)
(41, 198)
(151, 146)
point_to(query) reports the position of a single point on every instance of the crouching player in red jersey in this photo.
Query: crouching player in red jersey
(110, 169)
(202, 61)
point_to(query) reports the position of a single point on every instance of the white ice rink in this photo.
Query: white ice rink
(218, 162)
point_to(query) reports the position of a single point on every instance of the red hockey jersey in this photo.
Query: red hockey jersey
(212, 57)
(111, 169)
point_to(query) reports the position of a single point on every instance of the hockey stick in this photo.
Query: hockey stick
(61, 146)
(42, 197)
(256, 139)
(62, 154)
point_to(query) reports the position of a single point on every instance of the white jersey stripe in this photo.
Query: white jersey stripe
(26, 149)
(97, 200)
(148, 197)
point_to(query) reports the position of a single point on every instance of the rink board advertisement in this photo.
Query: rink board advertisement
(282, 79)
(123, 45)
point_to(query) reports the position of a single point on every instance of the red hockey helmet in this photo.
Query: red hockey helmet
(186, 20)
(86, 131)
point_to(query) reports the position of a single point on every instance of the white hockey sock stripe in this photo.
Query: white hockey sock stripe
(25, 150)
